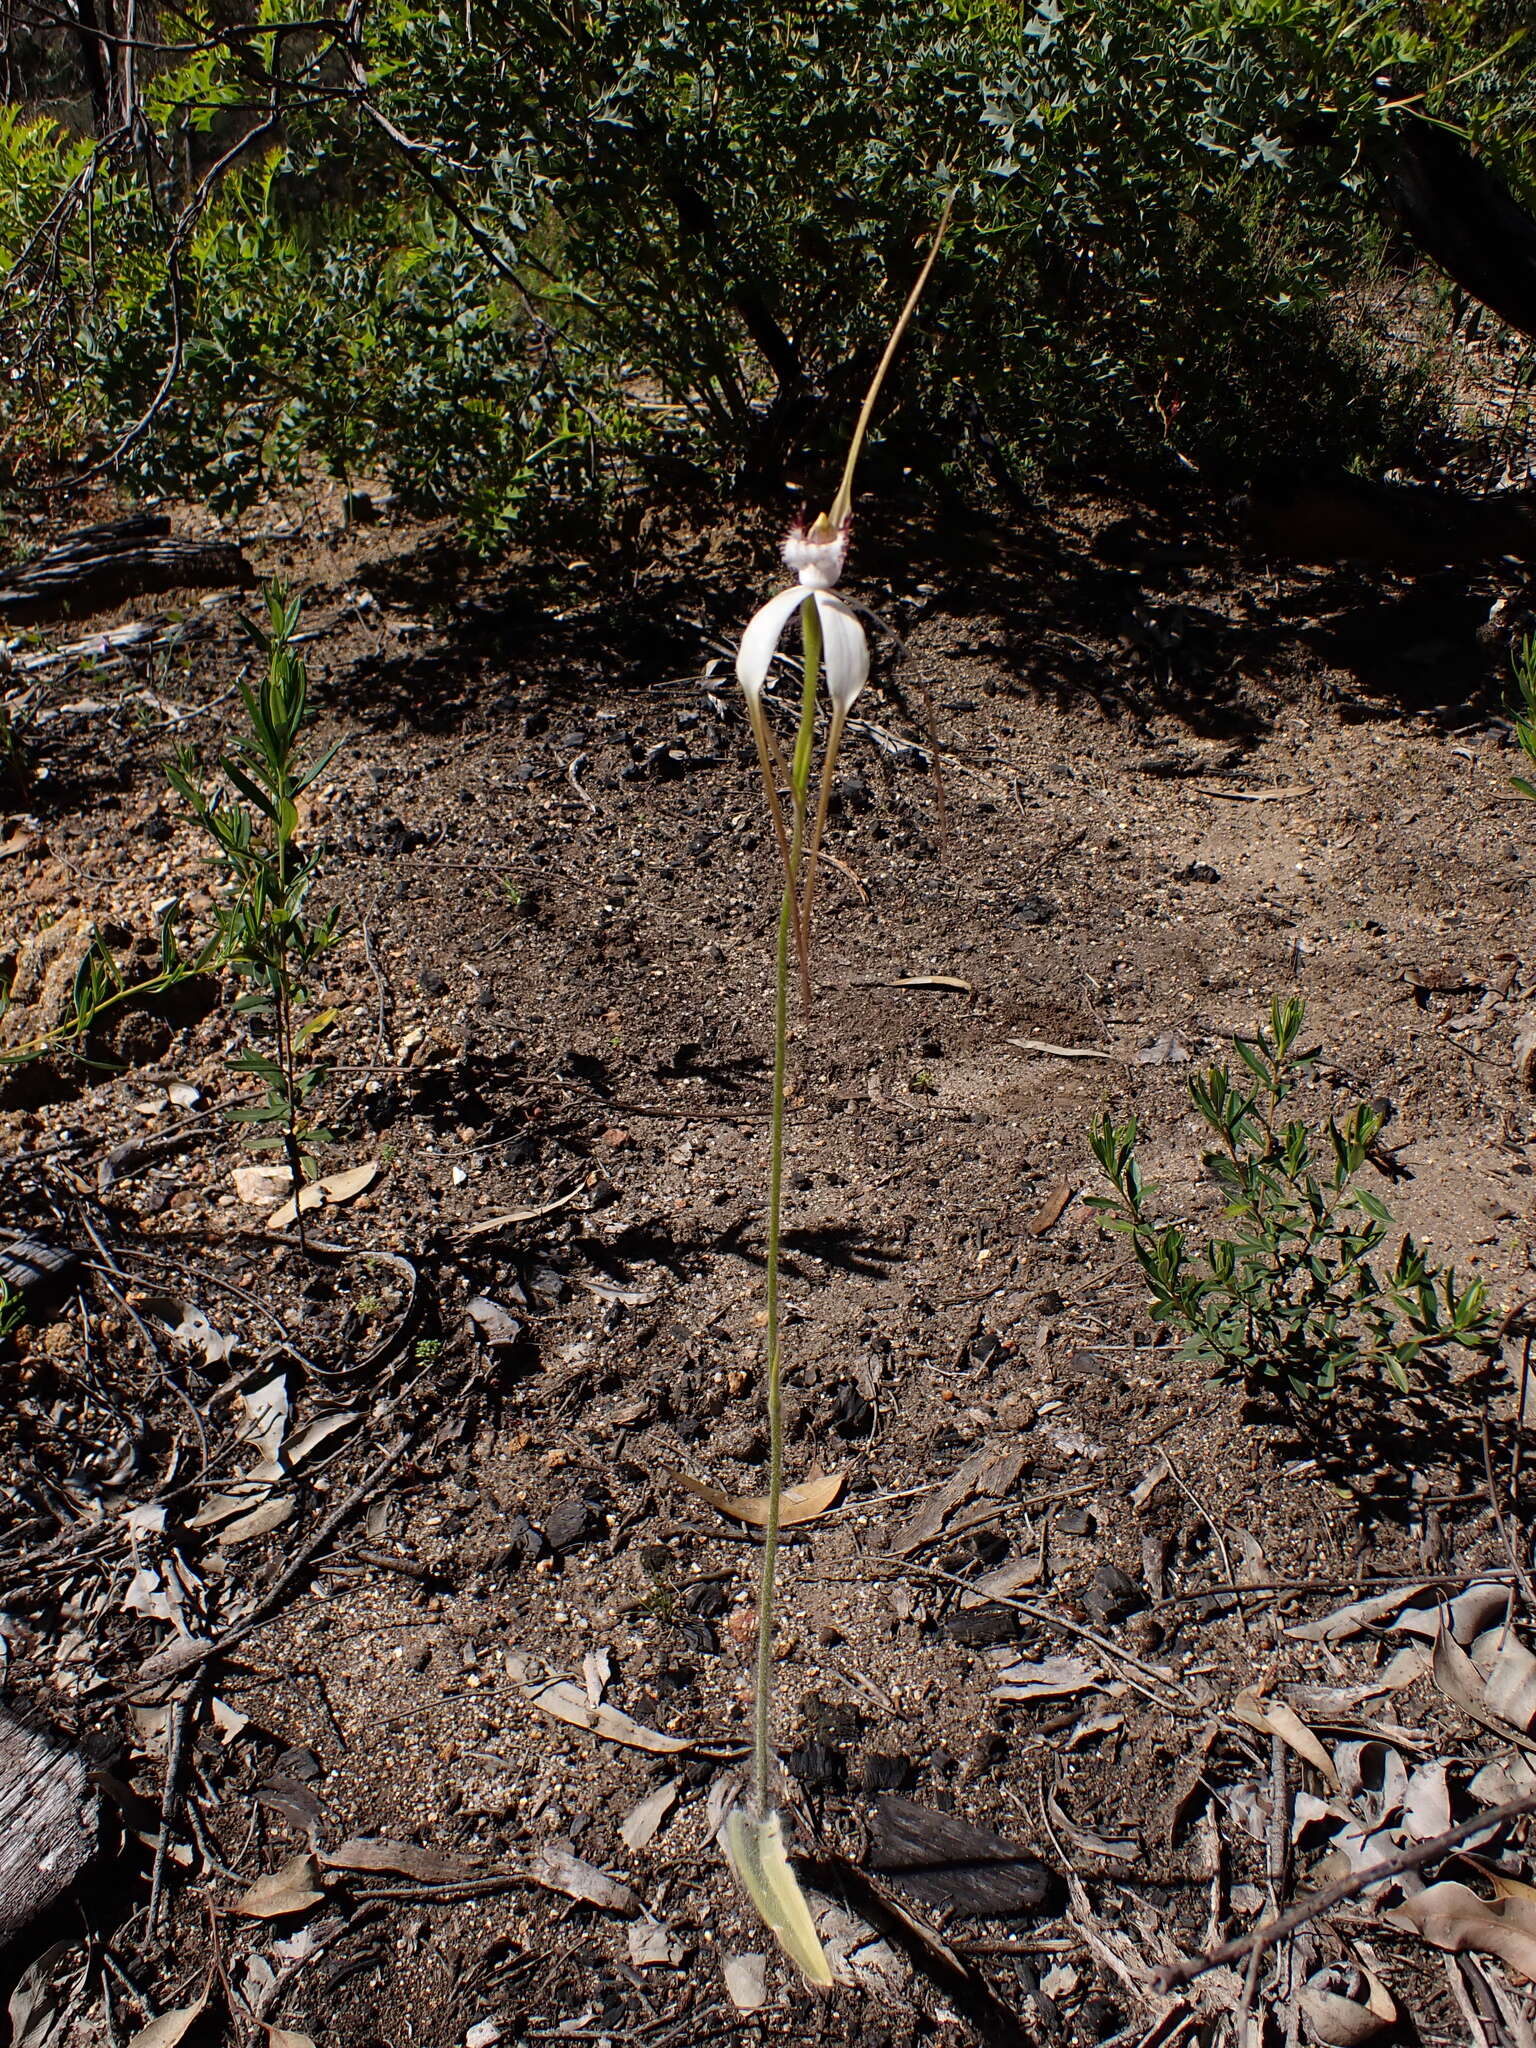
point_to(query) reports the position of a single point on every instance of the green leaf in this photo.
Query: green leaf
(756, 1849)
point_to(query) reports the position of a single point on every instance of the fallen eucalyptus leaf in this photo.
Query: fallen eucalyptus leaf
(402, 1859)
(1354, 1619)
(756, 1851)
(293, 1889)
(281, 2037)
(1119, 1850)
(266, 1412)
(1472, 1611)
(1273, 1717)
(314, 1437)
(1508, 1672)
(990, 1472)
(43, 2001)
(259, 1522)
(1012, 1577)
(1350, 2016)
(1427, 1802)
(329, 1191)
(1503, 1781)
(1048, 1678)
(495, 1325)
(1455, 1918)
(563, 1701)
(166, 2031)
(799, 1503)
(640, 1825)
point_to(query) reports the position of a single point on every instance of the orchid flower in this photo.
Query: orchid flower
(831, 634)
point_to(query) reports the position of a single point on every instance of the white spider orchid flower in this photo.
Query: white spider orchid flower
(817, 557)
(833, 639)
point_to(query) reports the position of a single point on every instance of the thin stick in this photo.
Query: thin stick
(842, 504)
(182, 1715)
(1265, 1937)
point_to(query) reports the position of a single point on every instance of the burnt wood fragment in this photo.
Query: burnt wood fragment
(946, 1862)
(103, 565)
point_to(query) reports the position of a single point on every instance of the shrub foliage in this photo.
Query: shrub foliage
(499, 255)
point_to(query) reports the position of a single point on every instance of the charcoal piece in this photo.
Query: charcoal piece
(852, 1415)
(525, 1543)
(976, 1627)
(706, 1599)
(41, 1273)
(946, 1862)
(699, 1636)
(1111, 1594)
(818, 1766)
(881, 1773)
(570, 1525)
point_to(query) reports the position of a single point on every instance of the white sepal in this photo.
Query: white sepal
(845, 651)
(760, 642)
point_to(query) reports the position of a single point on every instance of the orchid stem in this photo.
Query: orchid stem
(789, 922)
(828, 768)
(764, 1702)
(772, 765)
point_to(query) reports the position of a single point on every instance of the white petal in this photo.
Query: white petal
(760, 642)
(845, 650)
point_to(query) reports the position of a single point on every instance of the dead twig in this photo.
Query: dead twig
(183, 1714)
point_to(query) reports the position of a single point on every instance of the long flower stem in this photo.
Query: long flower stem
(764, 1703)
(789, 926)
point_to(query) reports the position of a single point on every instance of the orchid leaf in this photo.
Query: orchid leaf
(757, 1855)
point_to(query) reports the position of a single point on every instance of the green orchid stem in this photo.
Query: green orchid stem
(828, 768)
(772, 767)
(764, 1701)
(790, 924)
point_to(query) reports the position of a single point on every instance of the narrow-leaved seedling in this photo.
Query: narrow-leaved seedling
(265, 930)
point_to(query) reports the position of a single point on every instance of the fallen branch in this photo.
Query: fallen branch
(1173, 1974)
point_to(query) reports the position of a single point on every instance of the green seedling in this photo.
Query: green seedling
(16, 714)
(101, 985)
(266, 931)
(1295, 1299)
(832, 640)
(1524, 660)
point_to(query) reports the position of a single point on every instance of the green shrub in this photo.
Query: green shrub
(1294, 1298)
(537, 260)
